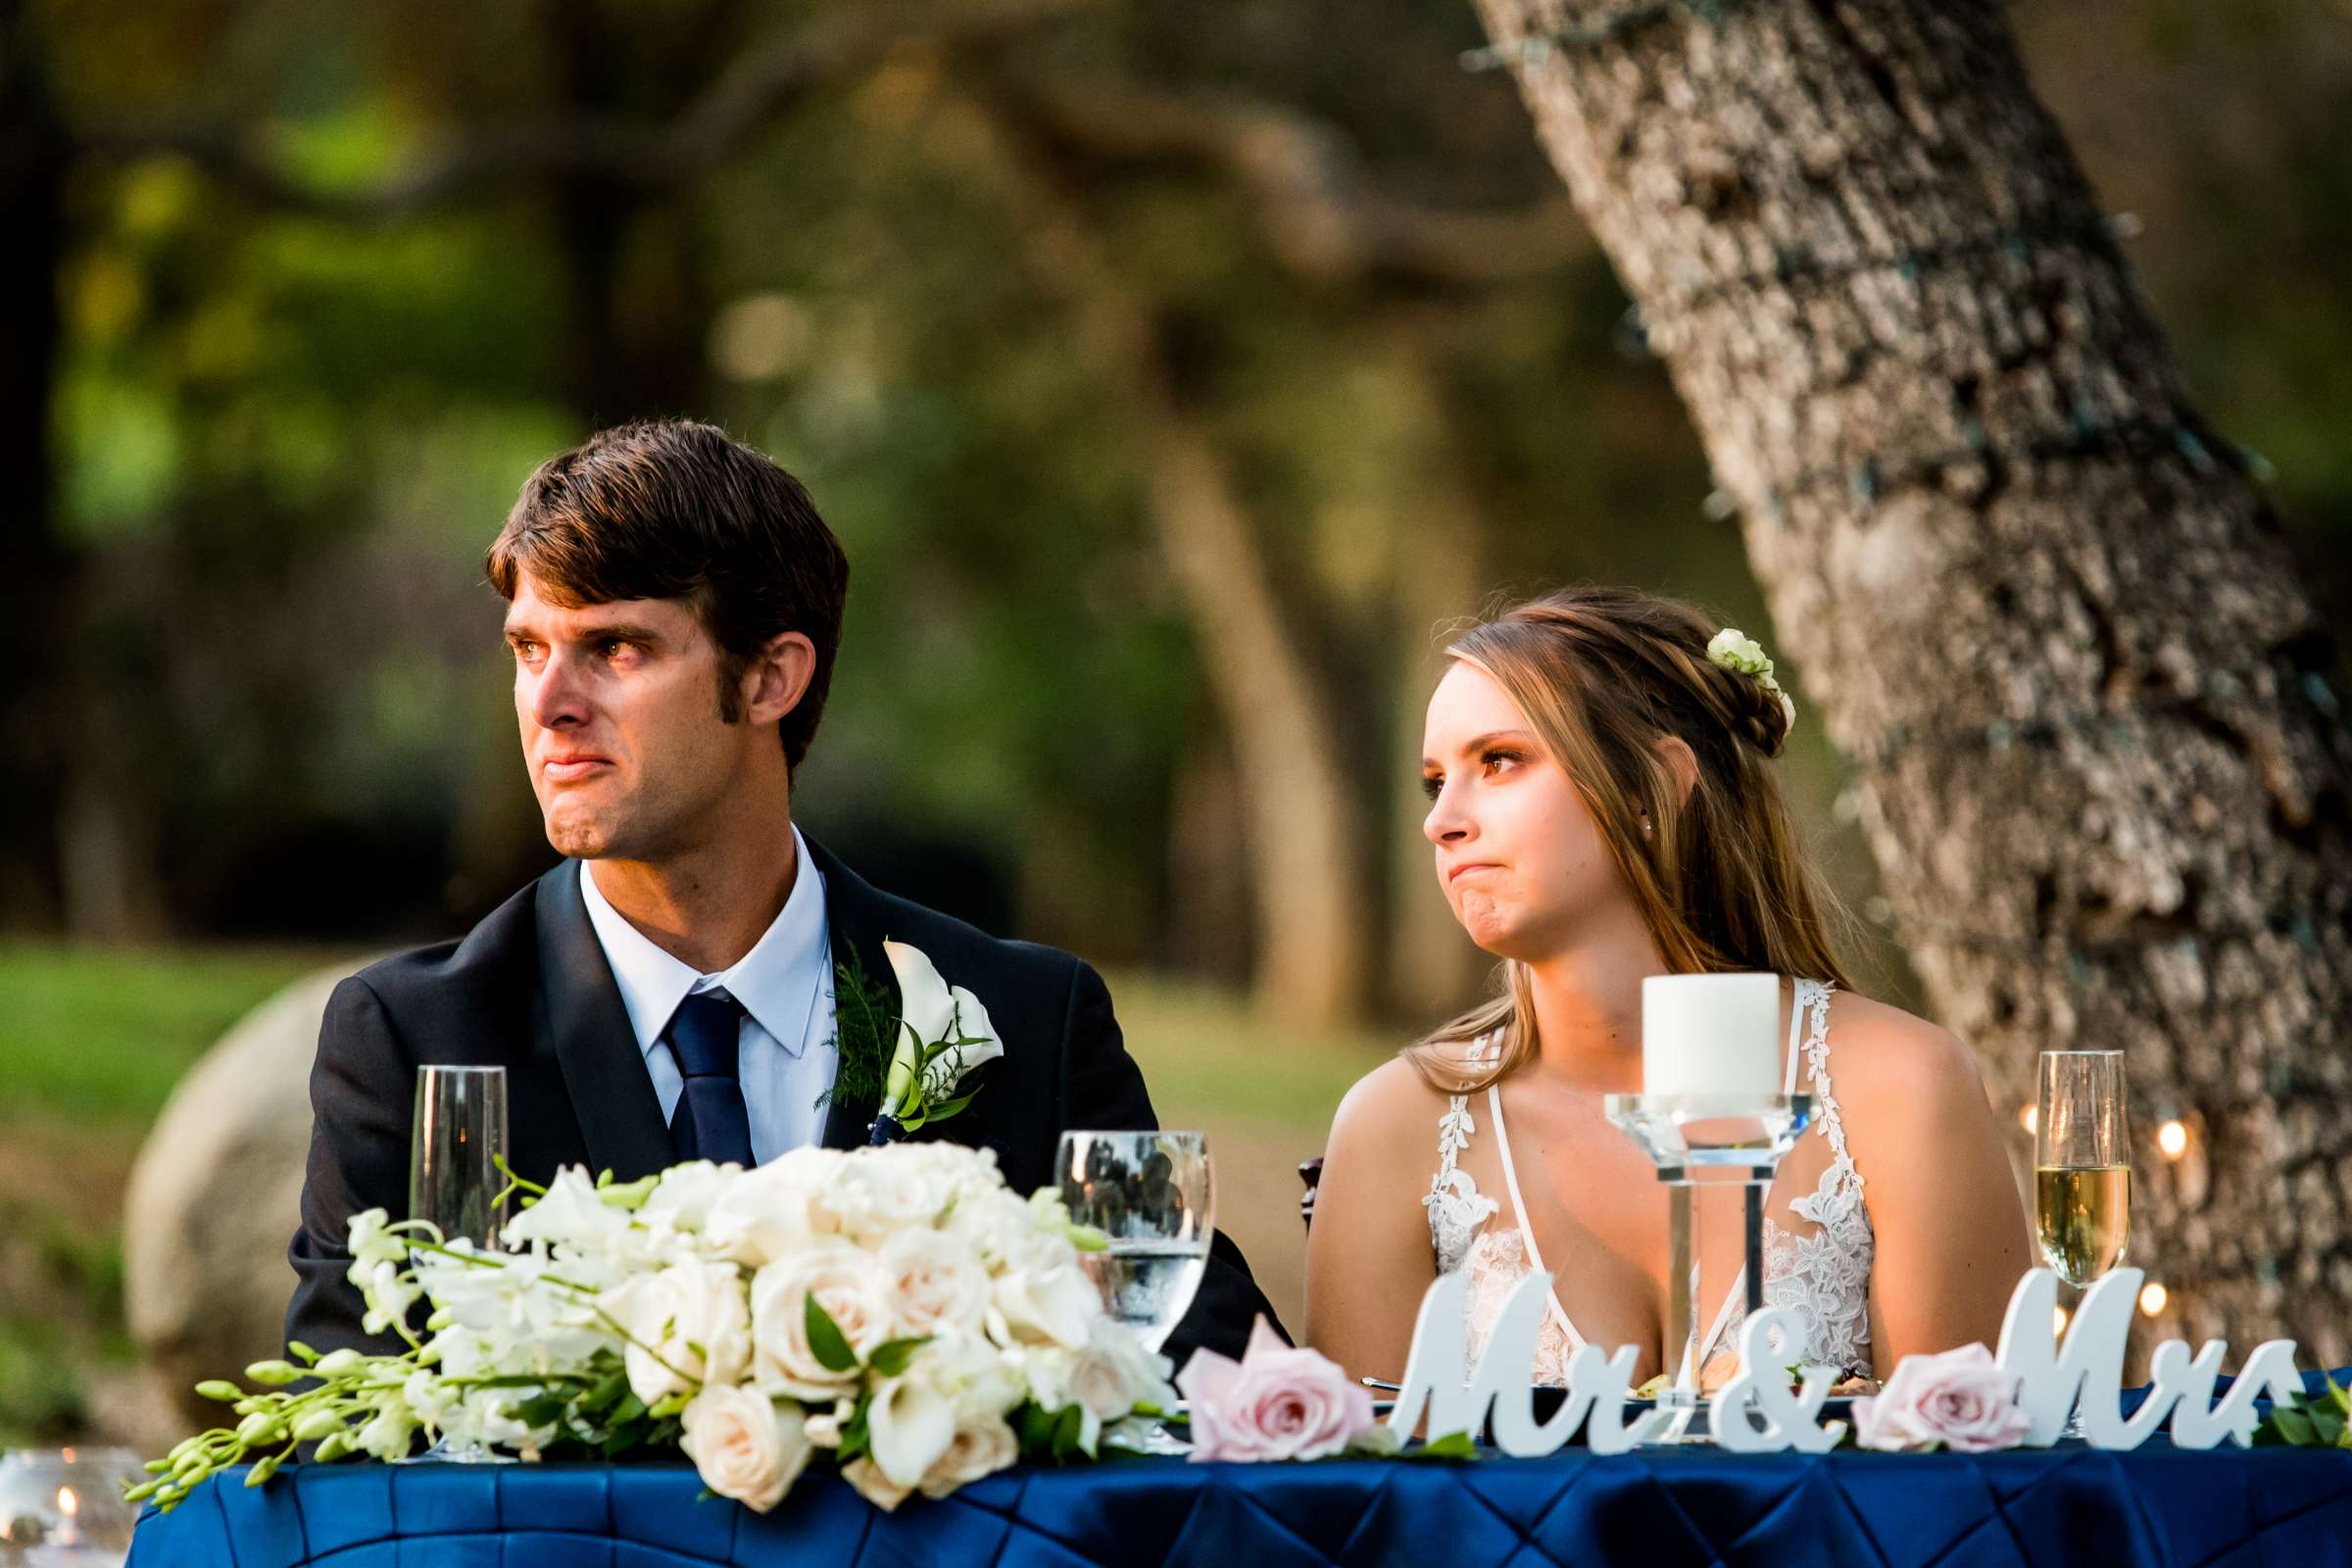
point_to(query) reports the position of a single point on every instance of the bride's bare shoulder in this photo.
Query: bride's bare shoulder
(1387, 1102)
(1880, 1053)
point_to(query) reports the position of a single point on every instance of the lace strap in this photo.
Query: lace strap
(1453, 1135)
(1816, 1006)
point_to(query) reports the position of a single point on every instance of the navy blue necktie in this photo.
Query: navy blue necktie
(711, 1121)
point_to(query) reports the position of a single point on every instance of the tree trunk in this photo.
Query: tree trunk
(1303, 818)
(2037, 603)
(34, 564)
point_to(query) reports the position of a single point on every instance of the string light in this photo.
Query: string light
(2152, 1297)
(2172, 1139)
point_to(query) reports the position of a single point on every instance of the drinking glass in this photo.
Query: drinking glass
(454, 1179)
(2081, 1169)
(460, 1135)
(1148, 1193)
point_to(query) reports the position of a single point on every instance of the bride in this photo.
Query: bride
(1603, 807)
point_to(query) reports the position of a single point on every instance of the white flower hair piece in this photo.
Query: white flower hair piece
(1736, 649)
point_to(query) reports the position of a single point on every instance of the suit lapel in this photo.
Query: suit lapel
(603, 1072)
(854, 925)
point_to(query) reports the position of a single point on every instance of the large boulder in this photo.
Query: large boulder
(216, 1195)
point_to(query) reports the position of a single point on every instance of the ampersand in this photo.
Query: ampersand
(1755, 1413)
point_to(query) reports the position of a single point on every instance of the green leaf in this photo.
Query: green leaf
(541, 1410)
(1452, 1445)
(947, 1109)
(630, 1410)
(310, 1357)
(605, 1394)
(826, 1341)
(856, 1437)
(891, 1357)
(2337, 1400)
(1067, 1427)
(2295, 1427)
(1035, 1425)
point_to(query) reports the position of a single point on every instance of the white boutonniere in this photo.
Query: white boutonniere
(943, 1035)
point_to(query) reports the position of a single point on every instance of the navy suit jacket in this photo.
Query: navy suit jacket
(529, 989)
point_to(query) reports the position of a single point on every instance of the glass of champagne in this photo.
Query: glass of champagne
(1148, 1194)
(2081, 1169)
(458, 1139)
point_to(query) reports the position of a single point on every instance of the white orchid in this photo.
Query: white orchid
(897, 1312)
(943, 1035)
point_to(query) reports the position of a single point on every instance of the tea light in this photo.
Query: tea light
(1711, 1034)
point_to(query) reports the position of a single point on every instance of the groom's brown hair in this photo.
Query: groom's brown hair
(669, 509)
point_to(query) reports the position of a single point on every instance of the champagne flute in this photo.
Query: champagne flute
(1148, 1194)
(2081, 1169)
(458, 1139)
(460, 1136)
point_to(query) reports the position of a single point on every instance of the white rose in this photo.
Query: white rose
(745, 1444)
(690, 1326)
(683, 1197)
(873, 1485)
(874, 1194)
(982, 1447)
(976, 1378)
(908, 1425)
(999, 1227)
(767, 1213)
(937, 1283)
(1055, 1303)
(847, 1285)
(1114, 1373)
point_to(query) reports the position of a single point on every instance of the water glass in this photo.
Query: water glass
(1148, 1193)
(460, 1136)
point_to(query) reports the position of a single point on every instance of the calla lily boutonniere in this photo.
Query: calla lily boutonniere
(944, 1034)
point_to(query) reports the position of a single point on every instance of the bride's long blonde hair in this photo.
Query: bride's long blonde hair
(1603, 675)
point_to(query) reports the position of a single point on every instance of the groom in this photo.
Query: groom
(667, 992)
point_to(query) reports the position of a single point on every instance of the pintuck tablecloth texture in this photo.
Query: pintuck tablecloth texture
(2232, 1508)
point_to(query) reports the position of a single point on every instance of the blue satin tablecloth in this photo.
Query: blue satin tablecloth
(2230, 1508)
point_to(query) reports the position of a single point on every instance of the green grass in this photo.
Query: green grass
(1204, 1052)
(98, 1036)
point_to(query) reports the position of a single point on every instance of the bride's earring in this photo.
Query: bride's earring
(1645, 824)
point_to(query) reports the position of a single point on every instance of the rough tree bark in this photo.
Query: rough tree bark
(2036, 601)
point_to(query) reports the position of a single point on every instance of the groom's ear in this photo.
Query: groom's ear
(776, 677)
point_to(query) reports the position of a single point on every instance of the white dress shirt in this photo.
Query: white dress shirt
(786, 1049)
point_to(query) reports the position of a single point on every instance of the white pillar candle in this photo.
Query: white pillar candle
(1711, 1034)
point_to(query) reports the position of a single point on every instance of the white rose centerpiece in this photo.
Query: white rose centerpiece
(893, 1311)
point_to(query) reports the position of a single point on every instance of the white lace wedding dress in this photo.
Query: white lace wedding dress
(1818, 1263)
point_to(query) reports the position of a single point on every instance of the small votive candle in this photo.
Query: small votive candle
(1711, 1034)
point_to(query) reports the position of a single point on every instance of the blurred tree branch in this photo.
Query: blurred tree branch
(1321, 209)
(647, 160)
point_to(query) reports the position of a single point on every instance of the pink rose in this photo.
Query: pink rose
(1960, 1399)
(1275, 1402)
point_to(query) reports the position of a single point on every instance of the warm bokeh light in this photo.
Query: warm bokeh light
(2152, 1297)
(67, 1503)
(2172, 1139)
(2029, 1118)
(2058, 1320)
